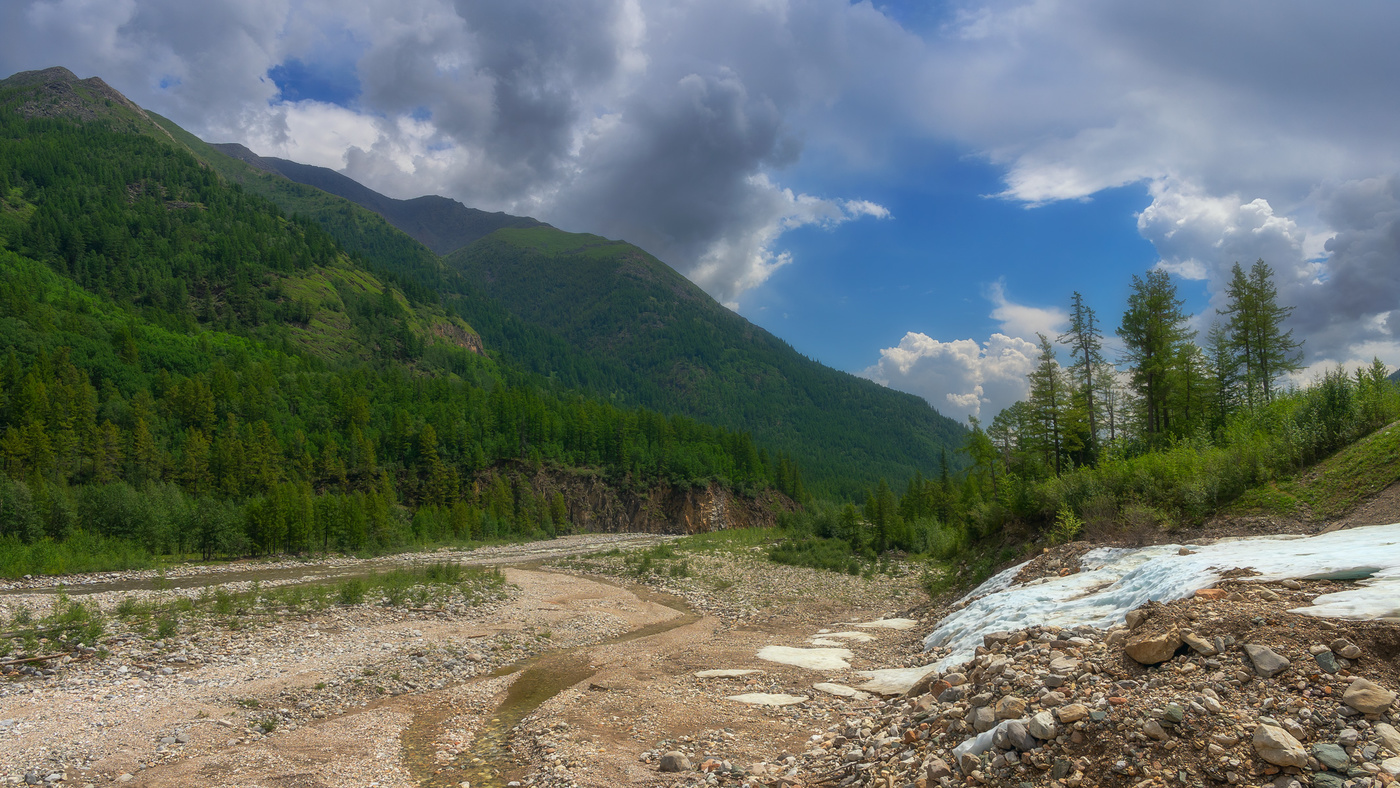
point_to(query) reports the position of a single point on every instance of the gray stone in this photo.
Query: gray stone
(982, 719)
(1042, 725)
(1278, 747)
(936, 768)
(951, 695)
(968, 763)
(1328, 780)
(1064, 665)
(1388, 737)
(1332, 756)
(1018, 735)
(1152, 648)
(1051, 699)
(1346, 649)
(675, 762)
(1154, 730)
(1367, 697)
(1267, 662)
(1201, 646)
(1173, 713)
(1327, 661)
(1061, 769)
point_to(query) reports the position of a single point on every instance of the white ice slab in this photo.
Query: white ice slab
(893, 681)
(827, 659)
(768, 699)
(726, 673)
(887, 623)
(840, 690)
(826, 642)
(1114, 581)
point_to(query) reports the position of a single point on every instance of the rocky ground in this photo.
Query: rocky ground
(648, 672)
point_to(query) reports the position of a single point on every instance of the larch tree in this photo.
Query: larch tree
(1085, 341)
(1263, 350)
(1048, 403)
(1153, 331)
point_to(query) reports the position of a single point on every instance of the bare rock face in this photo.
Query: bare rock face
(1368, 697)
(1152, 648)
(1277, 746)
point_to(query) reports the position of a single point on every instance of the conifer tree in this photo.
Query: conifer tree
(1085, 341)
(1153, 331)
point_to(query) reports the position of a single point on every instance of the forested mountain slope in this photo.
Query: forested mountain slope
(614, 301)
(439, 223)
(607, 318)
(184, 367)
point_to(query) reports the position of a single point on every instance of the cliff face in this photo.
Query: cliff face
(595, 506)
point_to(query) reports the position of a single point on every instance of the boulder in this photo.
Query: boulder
(674, 761)
(1010, 708)
(1332, 756)
(1201, 646)
(1388, 737)
(1267, 662)
(1346, 649)
(1071, 713)
(1277, 746)
(1152, 648)
(1368, 697)
(935, 769)
(1042, 725)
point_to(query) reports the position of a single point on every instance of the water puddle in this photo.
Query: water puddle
(488, 762)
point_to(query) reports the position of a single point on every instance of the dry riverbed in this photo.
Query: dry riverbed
(421, 693)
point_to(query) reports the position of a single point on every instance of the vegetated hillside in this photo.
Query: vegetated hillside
(606, 317)
(185, 368)
(614, 301)
(441, 224)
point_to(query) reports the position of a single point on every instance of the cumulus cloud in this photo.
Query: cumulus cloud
(965, 377)
(1256, 140)
(960, 378)
(1022, 319)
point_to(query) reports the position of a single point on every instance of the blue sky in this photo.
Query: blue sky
(908, 191)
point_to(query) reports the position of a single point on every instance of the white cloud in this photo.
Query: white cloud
(960, 378)
(1023, 320)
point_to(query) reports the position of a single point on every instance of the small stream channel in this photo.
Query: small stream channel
(488, 762)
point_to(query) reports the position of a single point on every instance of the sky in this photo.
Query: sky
(909, 191)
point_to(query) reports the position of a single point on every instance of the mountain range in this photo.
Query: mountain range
(573, 312)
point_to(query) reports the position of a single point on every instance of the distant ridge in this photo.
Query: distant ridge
(439, 223)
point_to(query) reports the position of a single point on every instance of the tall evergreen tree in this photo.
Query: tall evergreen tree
(1264, 350)
(1085, 341)
(1049, 403)
(1153, 331)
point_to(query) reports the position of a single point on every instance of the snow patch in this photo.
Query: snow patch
(840, 690)
(893, 681)
(1115, 580)
(887, 623)
(827, 659)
